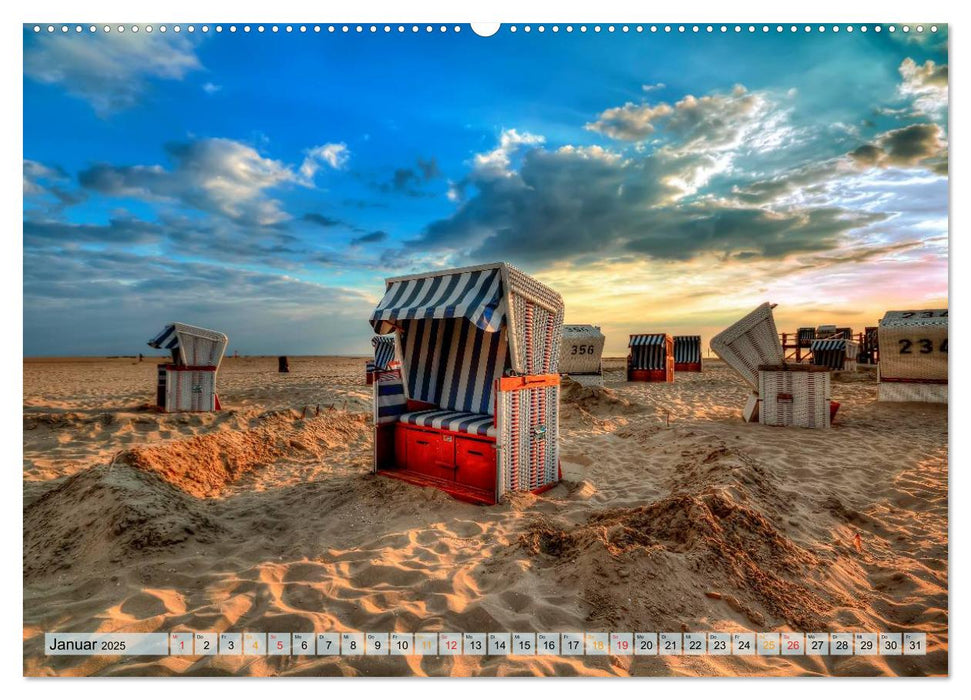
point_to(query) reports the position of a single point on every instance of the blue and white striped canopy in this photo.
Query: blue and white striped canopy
(647, 339)
(168, 339)
(829, 344)
(475, 294)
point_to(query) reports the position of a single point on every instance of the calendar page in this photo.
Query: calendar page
(400, 348)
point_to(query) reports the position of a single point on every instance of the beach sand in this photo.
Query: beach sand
(673, 515)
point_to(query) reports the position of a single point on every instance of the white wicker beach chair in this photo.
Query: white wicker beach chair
(188, 383)
(913, 356)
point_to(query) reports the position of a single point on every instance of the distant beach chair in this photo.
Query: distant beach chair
(687, 353)
(384, 356)
(474, 408)
(650, 358)
(869, 346)
(913, 356)
(836, 353)
(188, 383)
(581, 354)
(781, 394)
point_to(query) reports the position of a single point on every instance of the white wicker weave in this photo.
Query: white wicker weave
(902, 392)
(796, 395)
(581, 349)
(750, 342)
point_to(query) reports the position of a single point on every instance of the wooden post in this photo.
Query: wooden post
(283, 364)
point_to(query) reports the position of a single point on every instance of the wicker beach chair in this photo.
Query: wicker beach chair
(581, 354)
(188, 383)
(473, 409)
(913, 356)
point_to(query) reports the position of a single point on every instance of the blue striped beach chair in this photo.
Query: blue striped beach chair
(650, 358)
(835, 353)
(473, 408)
(384, 356)
(687, 353)
(188, 382)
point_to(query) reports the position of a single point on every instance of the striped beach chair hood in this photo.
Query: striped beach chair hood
(461, 329)
(192, 345)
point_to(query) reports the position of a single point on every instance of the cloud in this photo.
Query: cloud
(218, 176)
(630, 122)
(120, 231)
(211, 88)
(46, 187)
(712, 123)
(408, 181)
(497, 161)
(373, 237)
(322, 220)
(925, 85)
(332, 155)
(578, 204)
(101, 302)
(917, 145)
(111, 71)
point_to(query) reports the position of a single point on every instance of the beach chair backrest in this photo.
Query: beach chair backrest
(192, 346)
(687, 349)
(750, 342)
(649, 351)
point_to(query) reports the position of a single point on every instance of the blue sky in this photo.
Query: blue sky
(265, 184)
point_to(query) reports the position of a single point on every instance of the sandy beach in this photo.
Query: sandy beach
(673, 515)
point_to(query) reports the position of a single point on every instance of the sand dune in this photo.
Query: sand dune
(673, 515)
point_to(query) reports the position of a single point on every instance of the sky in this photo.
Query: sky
(265, 184)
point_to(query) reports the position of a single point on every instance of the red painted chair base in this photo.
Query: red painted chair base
(650, 375)
(687, 366)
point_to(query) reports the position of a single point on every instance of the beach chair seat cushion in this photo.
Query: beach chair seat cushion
(456, 421)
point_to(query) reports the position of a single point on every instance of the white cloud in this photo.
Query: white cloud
(211, 88)
(109, 70)
(333, 155)
(925, 85)
(216, 175)
(495, 163)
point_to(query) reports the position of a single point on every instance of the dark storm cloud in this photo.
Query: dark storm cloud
(917, 145)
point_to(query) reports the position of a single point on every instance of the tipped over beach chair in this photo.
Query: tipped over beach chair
(473, 409)
(687, 353)
(782, 394)
(650, 358)
(188, 383)
(581, 353)
(913, 356)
